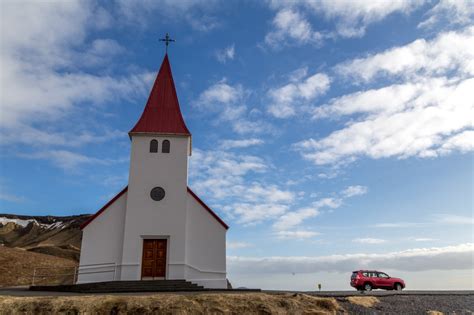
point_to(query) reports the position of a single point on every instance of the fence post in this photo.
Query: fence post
(115, 271)
(74, 278)
(34, 274)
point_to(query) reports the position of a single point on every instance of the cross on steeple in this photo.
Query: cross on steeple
(167, 41)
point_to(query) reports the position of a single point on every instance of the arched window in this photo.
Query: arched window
(165, 147)
(153, 146)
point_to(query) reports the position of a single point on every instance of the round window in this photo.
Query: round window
(157, 193)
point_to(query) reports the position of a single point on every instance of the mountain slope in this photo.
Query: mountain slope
(57, 236)
(17, 267)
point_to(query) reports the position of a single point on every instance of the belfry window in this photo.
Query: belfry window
(153, 146)
(165, 147)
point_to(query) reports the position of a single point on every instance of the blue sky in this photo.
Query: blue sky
(330, 135)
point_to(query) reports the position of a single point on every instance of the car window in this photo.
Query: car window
(373, 274)
(365, 274)
(383, 275)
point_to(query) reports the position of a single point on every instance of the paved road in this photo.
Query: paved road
(377, 293)
(23, 291)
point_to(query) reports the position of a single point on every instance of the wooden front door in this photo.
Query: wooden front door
(154, 259)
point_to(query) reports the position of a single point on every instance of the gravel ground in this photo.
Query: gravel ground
(414, 304)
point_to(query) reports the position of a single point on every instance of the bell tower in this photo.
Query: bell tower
(156, 201)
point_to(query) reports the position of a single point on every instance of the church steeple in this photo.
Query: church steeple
(162, 114)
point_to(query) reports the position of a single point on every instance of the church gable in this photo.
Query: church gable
(105, 207)
(209, 210)
(190, 193)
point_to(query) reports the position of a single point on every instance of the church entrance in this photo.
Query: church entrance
(154, 259)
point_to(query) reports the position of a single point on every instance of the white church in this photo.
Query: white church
(157, 227)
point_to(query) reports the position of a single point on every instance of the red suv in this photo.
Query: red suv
(366, 280)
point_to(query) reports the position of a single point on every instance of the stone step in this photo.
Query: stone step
(139, 285)
(125, 286)
(140, 290)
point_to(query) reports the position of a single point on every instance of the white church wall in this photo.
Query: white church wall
(102, 243)
(147, 218)
(206, 247)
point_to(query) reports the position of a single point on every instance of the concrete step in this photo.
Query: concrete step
(125, 286)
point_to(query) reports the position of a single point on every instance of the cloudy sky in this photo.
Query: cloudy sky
(330, 135)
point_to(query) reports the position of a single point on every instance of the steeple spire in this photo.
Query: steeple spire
(162, 114)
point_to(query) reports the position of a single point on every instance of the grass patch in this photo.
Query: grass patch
(365, 301)
(17, 265)
(251, 303)
(434, 313)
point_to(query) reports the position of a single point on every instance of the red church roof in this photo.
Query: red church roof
(108, 204)
(162, 113)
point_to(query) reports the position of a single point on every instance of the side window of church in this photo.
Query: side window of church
(165, 148)
(153, 146)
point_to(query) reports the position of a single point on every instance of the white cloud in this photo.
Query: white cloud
(223, 176)
(368, 240)
(285, 223)
(449, 12)
(244, 143)
(440, 219)
(10, 197)
(68, 160)
(434, 122)
(101, 51)
(255, 213)
(230, 181)
(237, 245)
(419, 259)
(356, 190)
(395, 98)
(225, 54)
(427, 115)
(197, 13)
(332, 203)
(226, 101)
(285, 100)
(351, 18)
(463, 141)
(42, 75)
(424, 239)
(35, 137)
(401, 225)
(220, 93)
(292, 219)
(290, 26)
(454, 219)
(448, 52)
(298, 234)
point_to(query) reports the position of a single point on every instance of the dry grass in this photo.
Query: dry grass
(17, 265)
(365, 301)
(251, 303)
(434, 313)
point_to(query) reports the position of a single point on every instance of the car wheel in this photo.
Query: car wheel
(367, 287)
(398, 287)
